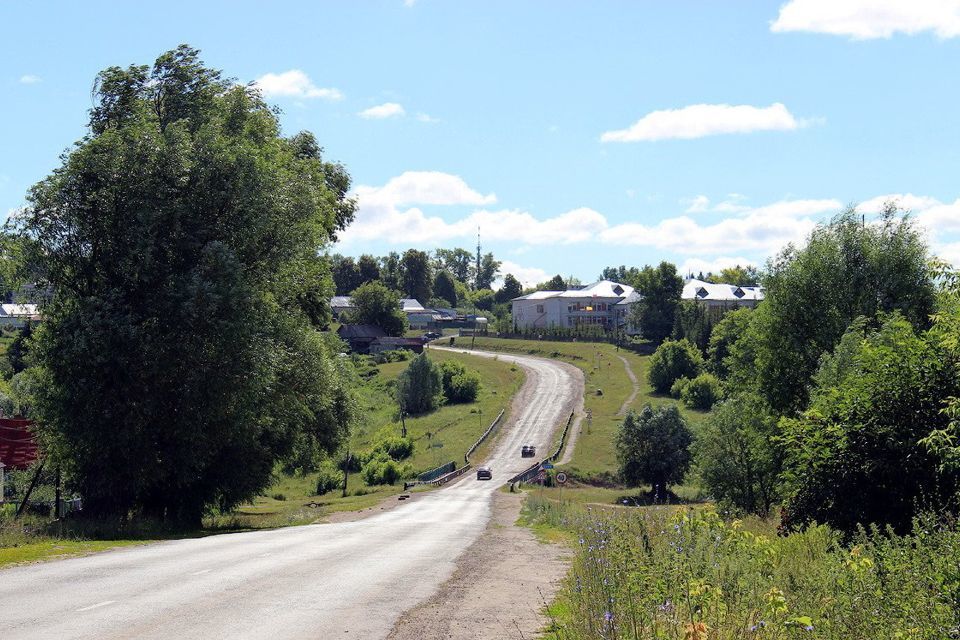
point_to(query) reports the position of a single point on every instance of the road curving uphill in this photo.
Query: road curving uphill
(347, 580)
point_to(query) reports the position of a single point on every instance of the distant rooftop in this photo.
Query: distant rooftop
(699, 290)
(599, 289)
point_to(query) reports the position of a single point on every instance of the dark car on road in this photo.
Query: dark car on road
(430, 335)
(528, 451)
(484, 473)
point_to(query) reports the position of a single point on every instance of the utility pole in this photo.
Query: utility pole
(476, 283)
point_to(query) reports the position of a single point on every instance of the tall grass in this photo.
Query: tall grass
(687, 574)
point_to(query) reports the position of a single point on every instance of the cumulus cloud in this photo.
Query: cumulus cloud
(382, 111)
(30, 79)
(760, 230)
(701, 120)
(384, 213)
(424, 187)
(294, 84)
(528, 276)
(869, 19)
(697, 265)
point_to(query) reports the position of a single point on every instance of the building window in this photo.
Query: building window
(539, 308)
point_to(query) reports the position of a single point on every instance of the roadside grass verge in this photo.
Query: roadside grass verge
(676, 572)
(439, 437)
(292, 499)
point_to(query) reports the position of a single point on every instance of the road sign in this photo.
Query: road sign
(561, 477)
(547, 465)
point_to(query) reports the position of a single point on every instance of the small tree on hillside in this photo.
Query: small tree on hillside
(674, 359)
(735, 456)
(420, 387)
(653, 447)
(511, 289)
(376, 304)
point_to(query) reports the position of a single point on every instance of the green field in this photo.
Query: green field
(604, 372)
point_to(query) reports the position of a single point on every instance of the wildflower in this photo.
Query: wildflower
(607, 616)
(696, 631)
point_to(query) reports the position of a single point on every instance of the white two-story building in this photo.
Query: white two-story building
(596, 304)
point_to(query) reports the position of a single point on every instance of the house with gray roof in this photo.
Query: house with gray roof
(597, 304)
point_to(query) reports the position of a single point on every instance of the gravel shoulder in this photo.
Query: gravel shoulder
(498, 588)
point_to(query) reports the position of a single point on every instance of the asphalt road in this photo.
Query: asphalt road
(346, 580)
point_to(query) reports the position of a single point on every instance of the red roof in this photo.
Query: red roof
(18, 447)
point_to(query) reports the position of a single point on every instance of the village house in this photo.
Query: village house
(720, 298)
(597, 304)
(17, 315)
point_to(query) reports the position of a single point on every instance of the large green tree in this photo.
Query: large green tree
(416, 278)
(420, 387)
(445, 287)
(653, 447)
(655, 312)
(176, 365)
(857, 455)
(487, 272)
(511, 289)
(847, 269)
(375, 304)
(457, 261)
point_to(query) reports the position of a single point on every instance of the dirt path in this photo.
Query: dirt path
(496, 589)
(636, 386)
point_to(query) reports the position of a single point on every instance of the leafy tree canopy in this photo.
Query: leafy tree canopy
(846, 270)
(416, 276)
(176, 364)
(856, 455)
(653, 447)
(674, 359)
(375, 304)
(655, 313)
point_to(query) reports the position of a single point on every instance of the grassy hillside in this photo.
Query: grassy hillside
(439, 437)
(608, 389)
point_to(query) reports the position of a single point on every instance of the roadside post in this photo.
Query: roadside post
(561, 480)
(1, 482)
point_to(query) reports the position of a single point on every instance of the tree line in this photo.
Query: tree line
(837, 394)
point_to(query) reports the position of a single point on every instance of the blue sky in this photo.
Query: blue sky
(576, 134)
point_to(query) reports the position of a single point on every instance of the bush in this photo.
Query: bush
(395, 447)
(382, 470)
(672, 360)
(329, 478)
(676, 390)
(395, 355)
(459, 385)
(701, 392)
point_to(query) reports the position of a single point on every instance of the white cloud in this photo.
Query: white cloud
(761, 230)
(697, 204)
(700, 120)
(426, 117)
(30, 79)
(409, 3)
(424, 187)
(698, 265)
(381, 215)
(949, 252)
(385, 110)
(294, 84)
(868, 19)
(528, 276)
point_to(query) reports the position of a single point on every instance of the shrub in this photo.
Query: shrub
(701, 392)
(676, 390)
(735, 457)
(459, 385)
(395, 447)
(329, 478)
(672, 360)
(382, 470)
